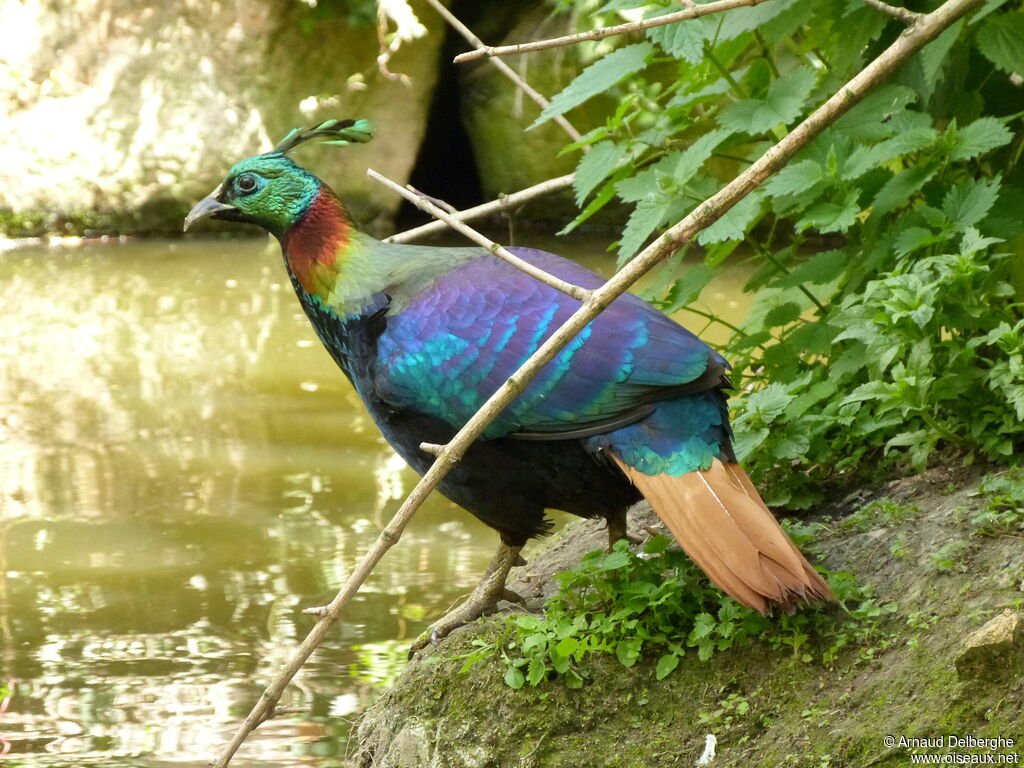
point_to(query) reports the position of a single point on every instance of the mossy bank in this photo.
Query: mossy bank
(946, 658)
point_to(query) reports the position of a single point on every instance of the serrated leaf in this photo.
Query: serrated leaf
(733, 224)
(601, 199)
(783, 314)
(769, 402)
(795, 178)
(898, 190)
(819, 269)
(695, 155)
(740, 20)
(1001, 41)
(781, 105)
(666, 665)
(595, 166)
(973, 241)
(868, 157)
(645, 218)
(968, 202)
(979, 137)
(747, 441)
(914, 238)
(646, 184)
(831, 216)
(687, 289)
(597, 78)
(682, 39)
(868, 121)
(934, 54)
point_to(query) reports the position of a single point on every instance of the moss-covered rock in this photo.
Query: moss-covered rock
(116, 114)
(765, 707)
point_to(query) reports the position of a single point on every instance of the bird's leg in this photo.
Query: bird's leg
(617, 530)
(482, 601)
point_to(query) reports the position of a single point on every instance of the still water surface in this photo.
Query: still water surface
(182, 471)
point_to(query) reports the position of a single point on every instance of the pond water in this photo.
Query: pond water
(182, 471)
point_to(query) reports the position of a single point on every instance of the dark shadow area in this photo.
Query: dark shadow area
(445, 167)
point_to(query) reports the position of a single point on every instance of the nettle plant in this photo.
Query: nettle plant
(658, 604)
(887, 325)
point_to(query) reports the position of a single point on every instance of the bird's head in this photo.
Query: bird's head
(270, 189)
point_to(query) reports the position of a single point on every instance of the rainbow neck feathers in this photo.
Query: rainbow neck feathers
(343, 270)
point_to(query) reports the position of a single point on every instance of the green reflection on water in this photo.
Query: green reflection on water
(182, 471)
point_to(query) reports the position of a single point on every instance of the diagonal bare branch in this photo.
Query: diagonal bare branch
(421, 202)
(903, 14)
(602, 32)
(505, 69)
(926, 29)
(503, 203)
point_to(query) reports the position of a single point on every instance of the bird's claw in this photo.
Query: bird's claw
(474, 608)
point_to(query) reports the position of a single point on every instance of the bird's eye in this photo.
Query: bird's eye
(246, 182)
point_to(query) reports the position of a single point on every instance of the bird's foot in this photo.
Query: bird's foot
(617, 531)
(483, 600)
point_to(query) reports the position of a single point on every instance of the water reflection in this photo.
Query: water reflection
(182, 470)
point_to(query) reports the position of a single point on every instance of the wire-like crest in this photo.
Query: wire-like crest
(339, 132)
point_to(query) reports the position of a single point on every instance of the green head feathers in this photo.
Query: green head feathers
(270, 190)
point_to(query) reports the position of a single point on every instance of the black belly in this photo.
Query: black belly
(507, 484)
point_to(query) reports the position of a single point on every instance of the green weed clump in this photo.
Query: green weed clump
(657, 604)
(1003, 512)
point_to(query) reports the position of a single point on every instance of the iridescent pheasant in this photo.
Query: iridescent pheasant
(633, 406)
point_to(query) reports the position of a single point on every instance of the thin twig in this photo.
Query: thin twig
(434, 448)
(443, 205)
(926, 30)
(602, 32)
(578, 293)
(903, 14)
(503, 203)
(505, 69)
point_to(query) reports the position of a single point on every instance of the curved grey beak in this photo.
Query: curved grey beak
(208, 206)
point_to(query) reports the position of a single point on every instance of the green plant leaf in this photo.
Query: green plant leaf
(695, 155)
(933, 55)
(683, 39)
(734, 223)
(597, 78)
(740, 20)
(594, 167)
(795, 178)
(869, 120)
(898, 190)
(821, 268)
(687, 289)
(979, 137)
(781, 105)
(968, 202)
(645, 218)
(1001, 41)
(666, 665)
(514, 678)
(828, 216)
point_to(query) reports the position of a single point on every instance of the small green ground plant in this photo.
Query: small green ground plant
(1003, 512)
(657, 604)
